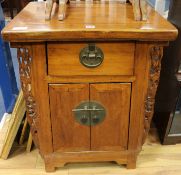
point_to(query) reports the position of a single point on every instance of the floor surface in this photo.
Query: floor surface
(154, 159)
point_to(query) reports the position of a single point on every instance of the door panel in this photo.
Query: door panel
(112, 133)
(68, 135)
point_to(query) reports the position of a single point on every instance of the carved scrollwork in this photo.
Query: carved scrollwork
(156, 53)
(25, 60)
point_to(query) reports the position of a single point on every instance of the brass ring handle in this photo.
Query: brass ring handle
(91, 56)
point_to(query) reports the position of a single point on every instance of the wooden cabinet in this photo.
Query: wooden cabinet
(89, 81)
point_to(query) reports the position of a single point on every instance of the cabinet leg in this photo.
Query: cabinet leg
(119, 162)
(49, 168)
(61, 165)
(131, 164)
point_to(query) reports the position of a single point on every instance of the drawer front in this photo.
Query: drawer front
(63, 59)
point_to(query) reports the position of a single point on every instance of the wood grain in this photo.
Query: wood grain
(55, 68)
(139, 89)
(144, 9)
(154, 159)
(16, 118)
(88, 79)
(136, 10)
(23, 131)
(112, 133)
(63, 59)
(156, 53)
(103, 20)
(40, 92)
(48, 9)
(29, 143)
(24, 53)
(61, 158)
(68, 134)
(62, 10)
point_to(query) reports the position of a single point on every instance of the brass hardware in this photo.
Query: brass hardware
(95, 119)
(84, 119)
(91, 56)
(89, 113)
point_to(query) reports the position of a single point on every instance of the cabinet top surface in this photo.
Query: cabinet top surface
(101, 20)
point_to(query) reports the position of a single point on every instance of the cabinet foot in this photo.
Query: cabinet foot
(131, 164)
(119, 162)
(61, 165)
(49, 168)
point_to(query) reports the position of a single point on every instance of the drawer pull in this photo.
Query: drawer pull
(89, 113)
(91, 56)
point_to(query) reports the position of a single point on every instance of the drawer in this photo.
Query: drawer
(63, 59)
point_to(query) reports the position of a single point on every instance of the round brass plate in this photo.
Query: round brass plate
(89, 113)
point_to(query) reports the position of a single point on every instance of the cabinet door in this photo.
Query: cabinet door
(68, 135)
(112, 133)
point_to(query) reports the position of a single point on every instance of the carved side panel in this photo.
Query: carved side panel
(156, 53)
(25, 60)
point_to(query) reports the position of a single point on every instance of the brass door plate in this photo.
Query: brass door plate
(89, 113)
